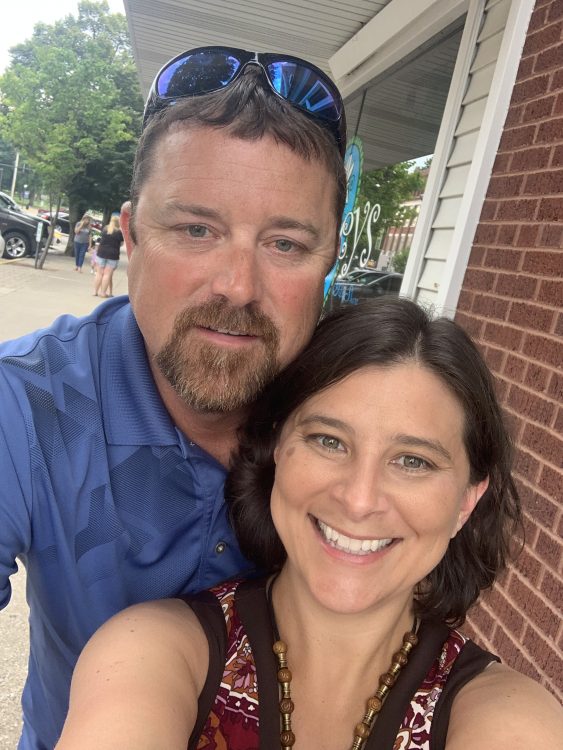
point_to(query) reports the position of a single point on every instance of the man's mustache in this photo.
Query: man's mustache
(219, 315)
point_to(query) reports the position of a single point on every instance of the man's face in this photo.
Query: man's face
(233, 241)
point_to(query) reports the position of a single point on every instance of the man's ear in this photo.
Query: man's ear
(473, 494)
(126, 221)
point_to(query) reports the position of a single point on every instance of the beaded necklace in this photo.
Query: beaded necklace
(374, 704)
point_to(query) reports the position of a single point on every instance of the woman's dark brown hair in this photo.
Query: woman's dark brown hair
(384, 333)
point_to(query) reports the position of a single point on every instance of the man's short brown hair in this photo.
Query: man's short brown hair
(247, 110)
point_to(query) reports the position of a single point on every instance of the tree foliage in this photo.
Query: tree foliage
(399, 260)
(379, 205)
(70, 102)
(390, 187)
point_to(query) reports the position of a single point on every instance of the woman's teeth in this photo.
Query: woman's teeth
(349, 544)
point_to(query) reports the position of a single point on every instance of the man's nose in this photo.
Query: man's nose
(238, 276)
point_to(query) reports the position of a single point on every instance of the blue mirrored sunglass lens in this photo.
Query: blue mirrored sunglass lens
(197, 74)
(303, 87)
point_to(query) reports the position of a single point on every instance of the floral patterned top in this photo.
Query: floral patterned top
(235, 618)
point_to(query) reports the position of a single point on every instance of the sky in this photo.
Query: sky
(20, 16)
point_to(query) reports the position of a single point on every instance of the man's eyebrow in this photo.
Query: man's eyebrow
(191, 208)
(285, 222)
(418, 442)
(279, 222)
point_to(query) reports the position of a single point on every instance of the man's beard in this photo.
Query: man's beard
(215, 379)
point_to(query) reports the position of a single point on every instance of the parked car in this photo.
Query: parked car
(19, 229)
(352, 293)
(62, 224)
(2, 246)
(362, 275)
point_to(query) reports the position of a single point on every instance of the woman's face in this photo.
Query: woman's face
(372, 482)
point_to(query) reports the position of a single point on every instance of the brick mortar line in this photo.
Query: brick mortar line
(540, 596)
(492, 646)
(555, 338)
(535, 488)
(503, 297)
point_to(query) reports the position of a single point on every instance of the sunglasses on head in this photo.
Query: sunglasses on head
(205, 69)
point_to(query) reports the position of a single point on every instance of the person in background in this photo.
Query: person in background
(94, 255)
(116, 429)
(373, 483)
(82, 240)
(108, 257)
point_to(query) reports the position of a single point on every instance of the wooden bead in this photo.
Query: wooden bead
(387, 679)
(400, 658)
(284, 675)
(287, 706)
(279, 647)
(411, 639)
(287, 739)
(374, 704)
(362, 731)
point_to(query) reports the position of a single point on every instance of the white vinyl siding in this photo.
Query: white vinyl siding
(438, 246)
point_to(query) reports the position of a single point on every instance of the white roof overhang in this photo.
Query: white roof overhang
(401, 53)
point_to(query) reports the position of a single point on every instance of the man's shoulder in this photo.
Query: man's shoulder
(63, 333)
(70, 351)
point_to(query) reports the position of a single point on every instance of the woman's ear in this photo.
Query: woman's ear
(471, 497)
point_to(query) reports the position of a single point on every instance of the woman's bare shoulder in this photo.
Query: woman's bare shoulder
(138, 680)
(501, 709)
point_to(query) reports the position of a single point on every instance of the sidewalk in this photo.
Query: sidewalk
(31, 299)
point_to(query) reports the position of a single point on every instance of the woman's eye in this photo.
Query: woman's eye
(413, 462)
(329, 442)
(197, 230)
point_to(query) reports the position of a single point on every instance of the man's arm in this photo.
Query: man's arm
(15, 488)
(137, 683)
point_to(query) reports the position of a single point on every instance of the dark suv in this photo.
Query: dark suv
(19, 229)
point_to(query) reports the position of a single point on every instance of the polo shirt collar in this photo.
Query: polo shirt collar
(132, 409)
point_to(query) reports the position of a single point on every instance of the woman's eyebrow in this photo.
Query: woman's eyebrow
(326, 421)
(418, 442)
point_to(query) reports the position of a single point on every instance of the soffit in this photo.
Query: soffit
(404, 108)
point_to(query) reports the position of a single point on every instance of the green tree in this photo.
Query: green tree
(70, 102)
(387, 188)
(399, 260)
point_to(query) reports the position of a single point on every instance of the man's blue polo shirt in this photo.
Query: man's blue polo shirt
(104, 500)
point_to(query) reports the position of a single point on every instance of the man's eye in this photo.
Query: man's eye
(197, 230)
(285, 246)
(413, 462)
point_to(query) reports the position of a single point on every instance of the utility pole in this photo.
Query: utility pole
(15, 174)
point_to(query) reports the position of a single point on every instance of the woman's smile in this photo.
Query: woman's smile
(351, 545)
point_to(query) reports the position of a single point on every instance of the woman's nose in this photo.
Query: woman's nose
(364, 491)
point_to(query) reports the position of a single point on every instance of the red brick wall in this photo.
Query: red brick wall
(511, 302)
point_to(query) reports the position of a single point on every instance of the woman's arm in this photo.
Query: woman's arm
(137, 682)
(504, 710)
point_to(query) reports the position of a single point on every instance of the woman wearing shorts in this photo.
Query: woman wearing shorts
(107, 257)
